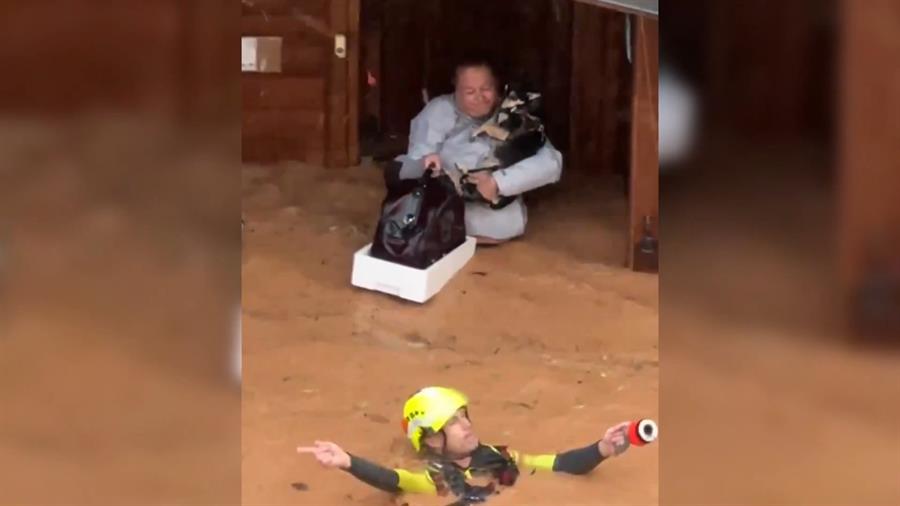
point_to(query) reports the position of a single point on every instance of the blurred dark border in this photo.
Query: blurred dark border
(780, 291)
(119, 252)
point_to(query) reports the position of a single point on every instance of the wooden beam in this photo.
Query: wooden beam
(286, 16)
(353, 63)
(557, 71)
(370, 51)
(259, 25)
(337, 89)
(300, 58)
(644, 194)
(275, 91)
(869, 163)
(579, 69)
(316, 8)
(280, 123)
(612, 52)
(314, 25)
(647, 8)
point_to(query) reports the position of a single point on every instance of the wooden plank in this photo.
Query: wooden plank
(260, 91)
(259, 25)
(315, 25)
(353, 63)
(598, 62)
(284, 7)
(370, 51)
(336, 93)
(371, 98)
(270, 150)
(740, 64)
(314, 155)
(577, 82)
(557, 74)
(53, 52)
(258, 150)
(869, 163)
(266, 149)
(644, 194)
(612, 50)
(301, 58)
(281, 123)
(648, 8)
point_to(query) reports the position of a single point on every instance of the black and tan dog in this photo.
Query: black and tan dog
(517, 134)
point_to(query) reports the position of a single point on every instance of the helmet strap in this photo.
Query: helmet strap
(441, 454)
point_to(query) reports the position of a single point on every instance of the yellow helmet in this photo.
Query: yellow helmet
(428, 410)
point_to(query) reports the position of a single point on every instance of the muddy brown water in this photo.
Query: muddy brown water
(120, 261)
(550, 336)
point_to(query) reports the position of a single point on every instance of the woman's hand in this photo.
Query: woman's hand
(328, 454)
(486, 185)
(433, 163)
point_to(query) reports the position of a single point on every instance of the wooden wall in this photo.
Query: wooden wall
(601, 90)
(422, 41)
(767, 66)
(308, 111)
(370, 64)
(573, 53)
(869, 175)
(644, 135)
(208, 81)
(284, 113)
(152, 57)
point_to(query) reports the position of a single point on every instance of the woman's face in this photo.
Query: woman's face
(476, 91)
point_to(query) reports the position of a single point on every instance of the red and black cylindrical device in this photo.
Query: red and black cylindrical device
(642, 432)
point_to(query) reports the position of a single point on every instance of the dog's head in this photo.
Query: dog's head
(517, 98)
(518, 102)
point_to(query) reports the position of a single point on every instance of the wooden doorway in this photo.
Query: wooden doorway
(310, 109)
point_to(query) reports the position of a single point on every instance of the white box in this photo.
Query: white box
(260, 54)
(417, 285)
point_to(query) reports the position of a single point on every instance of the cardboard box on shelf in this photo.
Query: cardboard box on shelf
(261, 54)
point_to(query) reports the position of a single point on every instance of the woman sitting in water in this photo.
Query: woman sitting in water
(437, 423)
(441, 135)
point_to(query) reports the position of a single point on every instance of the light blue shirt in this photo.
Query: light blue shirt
(443, 129)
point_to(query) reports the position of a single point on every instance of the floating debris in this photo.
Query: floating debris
(376, 418)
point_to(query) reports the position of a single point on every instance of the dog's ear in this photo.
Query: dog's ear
(517, 88)
(511, 102)
(533, 103)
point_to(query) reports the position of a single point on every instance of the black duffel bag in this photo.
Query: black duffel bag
(421, 221)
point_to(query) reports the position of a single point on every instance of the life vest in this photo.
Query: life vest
(494, 462)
